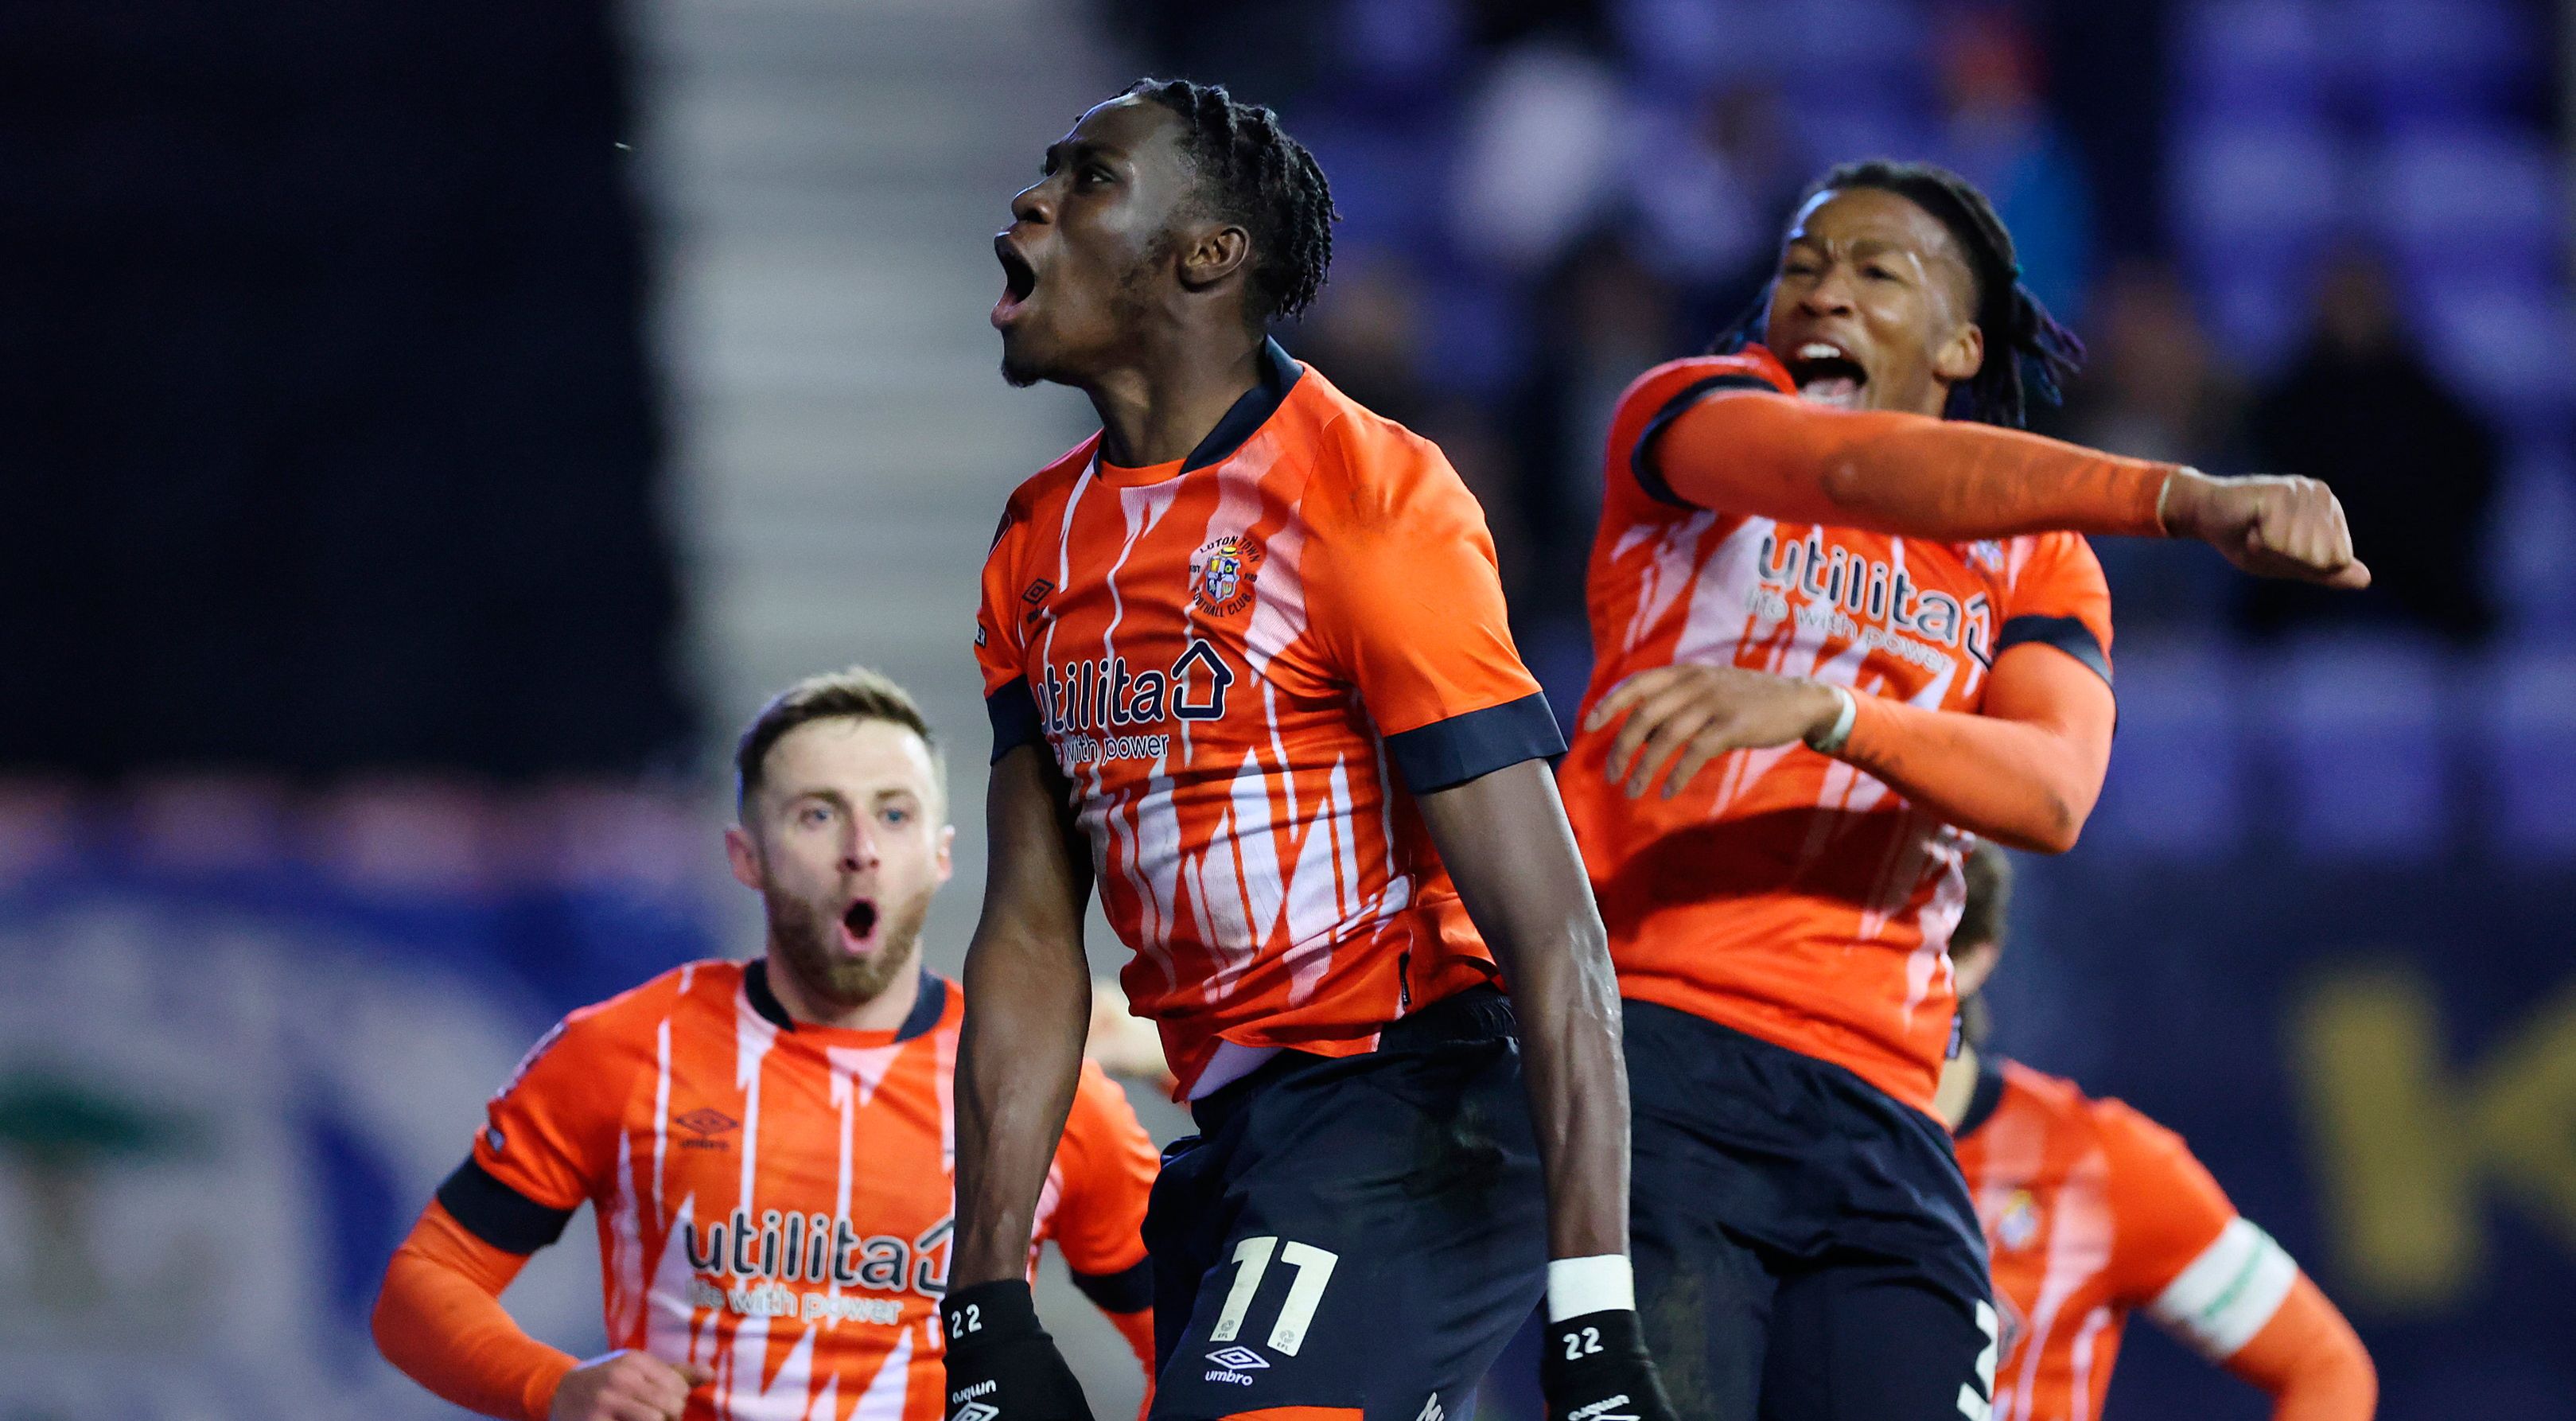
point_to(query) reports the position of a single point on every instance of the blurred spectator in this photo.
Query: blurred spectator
(1538, 160)
(2154, 389)
(1713, 192)
(1997, 133)
(2361, 408)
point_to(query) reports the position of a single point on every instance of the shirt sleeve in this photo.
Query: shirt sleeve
(1403, 591)
(547, 1143)
(2202, 1271)
(2060, 599)
(1108, 1165)
(1000, 636)
(439, 1319)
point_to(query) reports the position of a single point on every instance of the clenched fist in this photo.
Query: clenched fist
(626, 1386)
(2269, 525)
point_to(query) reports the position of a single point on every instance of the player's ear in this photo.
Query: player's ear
(744, 856)
(1213, 253)
(947, 841)
(1961, 356)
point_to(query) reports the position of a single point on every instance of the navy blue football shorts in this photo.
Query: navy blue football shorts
(1805, 1246)
(1352, 1239)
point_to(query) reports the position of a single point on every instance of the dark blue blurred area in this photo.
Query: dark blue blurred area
(329, 415)
(244, 1031)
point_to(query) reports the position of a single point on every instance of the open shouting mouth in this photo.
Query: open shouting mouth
(1827, 374)
(859, 928)
(1019, 281)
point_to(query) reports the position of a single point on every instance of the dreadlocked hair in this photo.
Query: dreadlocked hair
(1251, 172)
(2027, 351)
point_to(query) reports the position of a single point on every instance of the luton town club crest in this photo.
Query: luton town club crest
(1222, 574)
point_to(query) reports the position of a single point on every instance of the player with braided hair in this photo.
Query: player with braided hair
(1836, 635)
(1247, 645)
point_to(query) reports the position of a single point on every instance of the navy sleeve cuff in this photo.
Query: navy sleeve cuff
(1641, 460)
(498, 1214)
(2067, 634)
(1130, 1290)
(1471, 746)
(1014, 713)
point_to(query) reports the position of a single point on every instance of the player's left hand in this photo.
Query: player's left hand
(2269, 525)
(1701, 712)
(1595, 1368)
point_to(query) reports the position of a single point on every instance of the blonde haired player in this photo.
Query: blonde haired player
(769, 1145)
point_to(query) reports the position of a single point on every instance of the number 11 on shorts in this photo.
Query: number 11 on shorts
(1252, 1259)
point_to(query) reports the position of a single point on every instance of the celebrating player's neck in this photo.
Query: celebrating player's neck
(1958, 1087)
(1157, 406)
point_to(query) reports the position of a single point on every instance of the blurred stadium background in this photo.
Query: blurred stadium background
(431, 430)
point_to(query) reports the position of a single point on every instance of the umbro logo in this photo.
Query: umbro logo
(975, 1411)
(703, 1121)
(1034, 598)
(1241, 1359)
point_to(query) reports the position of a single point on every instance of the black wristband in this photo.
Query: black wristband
(1595, 1368)
(989, 1314)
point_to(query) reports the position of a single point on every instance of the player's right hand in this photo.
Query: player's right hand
(1002, 1366)
(626, 1386)
(2269, 525)
(1595, 1368)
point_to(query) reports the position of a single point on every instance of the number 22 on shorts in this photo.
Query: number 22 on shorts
(1252, 1259)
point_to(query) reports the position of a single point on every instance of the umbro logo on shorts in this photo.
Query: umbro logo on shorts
(976, 1411)
(1234, 1366)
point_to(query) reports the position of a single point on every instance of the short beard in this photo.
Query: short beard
(807, 944)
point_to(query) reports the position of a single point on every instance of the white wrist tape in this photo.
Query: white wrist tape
(1601, 1283)
(2223, 1297)
(1831, 742)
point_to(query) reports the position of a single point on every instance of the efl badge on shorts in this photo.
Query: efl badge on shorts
(1222, 574)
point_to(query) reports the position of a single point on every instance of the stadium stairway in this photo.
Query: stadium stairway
(826, 178)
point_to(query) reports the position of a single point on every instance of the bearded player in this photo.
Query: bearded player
(1249, 675)
(2093, 1212)
(767, 1144)
(1835, 636)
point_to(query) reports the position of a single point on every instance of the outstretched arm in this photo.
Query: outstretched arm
(1508, 847)
(1775, 456)
(1028, 1002)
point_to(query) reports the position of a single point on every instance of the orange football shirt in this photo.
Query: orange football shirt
(1783, 893)
(774, 1199)
(2092, 1211)
(1248, 662)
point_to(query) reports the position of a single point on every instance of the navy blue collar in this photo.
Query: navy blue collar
(925, 1011)
(1278, 375)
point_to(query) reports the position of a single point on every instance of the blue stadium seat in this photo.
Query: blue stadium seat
(2360, 728)
(2177, 787)
(2461, 56)
(2530, 757)
(2421, 188)
(2241, 58)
